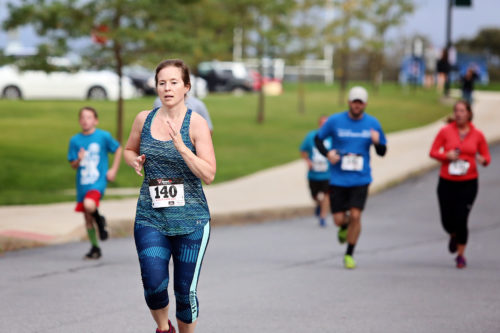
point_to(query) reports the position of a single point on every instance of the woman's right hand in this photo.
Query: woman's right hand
(138, 163)
(452, 155)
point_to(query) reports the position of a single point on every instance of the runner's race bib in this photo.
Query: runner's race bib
(458, 168)
(352, 162)
(320, 165)
(166, 192)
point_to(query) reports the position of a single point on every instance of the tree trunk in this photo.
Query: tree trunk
(119, 118)
(300, 91)
(344, 61)
(344, 79)
(119, 66)
(261, 104)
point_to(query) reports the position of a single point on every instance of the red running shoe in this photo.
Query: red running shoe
(171, 328)
(461, 263)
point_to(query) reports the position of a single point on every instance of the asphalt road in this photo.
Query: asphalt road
(285, 276)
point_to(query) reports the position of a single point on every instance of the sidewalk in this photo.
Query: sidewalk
(273, 193)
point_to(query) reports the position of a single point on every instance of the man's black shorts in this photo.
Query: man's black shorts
(344, 198)
(317, 186)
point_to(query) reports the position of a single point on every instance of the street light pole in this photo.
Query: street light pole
(448, 46)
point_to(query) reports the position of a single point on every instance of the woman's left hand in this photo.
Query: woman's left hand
(481, 160)
(175, 136)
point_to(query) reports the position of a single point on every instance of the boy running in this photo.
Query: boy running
(88, 154)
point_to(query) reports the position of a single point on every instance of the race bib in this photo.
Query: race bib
(320, 165)
(458, 168)
(166, 192)
(352, 162)
(319, 162)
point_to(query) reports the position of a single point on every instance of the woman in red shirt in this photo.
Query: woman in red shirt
(459, 146)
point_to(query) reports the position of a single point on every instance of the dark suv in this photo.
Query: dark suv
(222, 76)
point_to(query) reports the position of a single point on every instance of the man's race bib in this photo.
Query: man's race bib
(458, 168)
(167, 192)
(352, 162)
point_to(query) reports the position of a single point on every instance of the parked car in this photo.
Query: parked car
(36, 84)
(142, 78)
(225, 76)
(199, 86)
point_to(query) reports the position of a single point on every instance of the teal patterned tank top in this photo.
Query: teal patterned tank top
(165, 165)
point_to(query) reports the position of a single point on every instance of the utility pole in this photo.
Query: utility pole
(451, 3)
(448, 46)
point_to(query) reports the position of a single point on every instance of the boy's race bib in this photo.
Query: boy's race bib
(166, 192)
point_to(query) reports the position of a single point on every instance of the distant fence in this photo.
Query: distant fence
(311, 69)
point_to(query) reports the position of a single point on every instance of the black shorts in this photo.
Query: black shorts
(317, 186)
(344, 198)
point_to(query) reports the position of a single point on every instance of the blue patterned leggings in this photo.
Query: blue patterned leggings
(154, 250)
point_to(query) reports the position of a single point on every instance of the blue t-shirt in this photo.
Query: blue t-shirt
(91, 174)
(321, 166)
(352, 140)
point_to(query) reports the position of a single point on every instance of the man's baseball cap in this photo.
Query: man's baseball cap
(358, 93)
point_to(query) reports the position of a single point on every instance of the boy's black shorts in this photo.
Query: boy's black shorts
(317, 186)
(344, 198)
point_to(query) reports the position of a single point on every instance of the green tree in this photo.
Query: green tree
(265, 27)
(382, 16)
(303, 32)
(129, 30)
(487, 40)
(345, 29)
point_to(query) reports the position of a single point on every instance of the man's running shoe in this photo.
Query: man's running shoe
(342, 234)
(461, 263)
(94, 253)
(322, 222)
(171, 328)
(317, 210)
(349, 262)
(101, 225)
(452, 245)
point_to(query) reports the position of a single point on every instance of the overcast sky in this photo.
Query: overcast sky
(429, 20)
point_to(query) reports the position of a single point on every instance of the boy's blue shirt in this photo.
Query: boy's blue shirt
(91, 173)
(351, 136)
(315, 156)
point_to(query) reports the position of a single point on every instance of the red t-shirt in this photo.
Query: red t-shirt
(473, 143)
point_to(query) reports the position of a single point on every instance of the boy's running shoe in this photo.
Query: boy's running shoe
(94, 253)
(317, 210)
(349, 262)
(342, 235)
(461, 263)
(452, 245)
(101, 225)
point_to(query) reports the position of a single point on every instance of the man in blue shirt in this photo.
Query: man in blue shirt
(352, 133)
(319, 173)
(88, 154)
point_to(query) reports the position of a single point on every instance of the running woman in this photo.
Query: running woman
(459, 146)
(352, 132)
(88, 154)
(174, 146)
(318, 174)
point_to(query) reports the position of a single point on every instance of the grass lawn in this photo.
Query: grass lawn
(34, 135)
